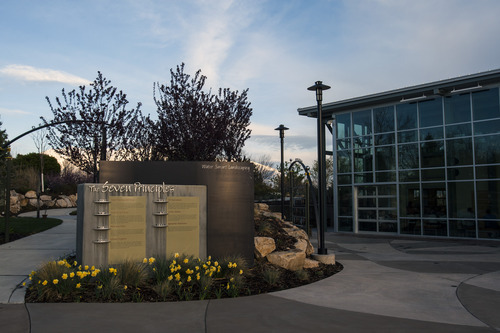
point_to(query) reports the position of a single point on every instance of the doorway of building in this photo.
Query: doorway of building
(375, 208)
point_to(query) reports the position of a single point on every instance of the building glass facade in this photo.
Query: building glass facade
(428, 167)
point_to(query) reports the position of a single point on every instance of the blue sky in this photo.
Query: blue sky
(275, 48)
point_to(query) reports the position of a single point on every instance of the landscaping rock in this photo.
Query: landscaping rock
(296, 232)
(34, 202)
(264, 246)
(30, 195)
(61, 203)
(305, 246)
(292, 260)
(310, 263)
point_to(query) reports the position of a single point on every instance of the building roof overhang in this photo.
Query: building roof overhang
(409, 94)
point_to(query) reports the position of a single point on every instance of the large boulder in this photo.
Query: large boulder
(292, 260)
(30, 195)
(61, 203)
(264, 246)
(305, 246)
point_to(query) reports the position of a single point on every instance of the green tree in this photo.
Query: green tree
(4, 155)
(296, 173)
(32, 160)
(329, 173)
(108, 124)
(194, 125)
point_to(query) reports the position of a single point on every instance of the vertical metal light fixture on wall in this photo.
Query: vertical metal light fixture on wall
(321, 220)
(282, 130)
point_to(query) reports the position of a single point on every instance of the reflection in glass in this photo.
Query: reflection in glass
(409, 200)
(489, 229)
(432, 154)
(383, 119)
(343, 144)
(406, 115)
(488, 199)
(432, 174)
(430, 113)
(463, 228)
(408, 156)
(363, 141)
(407, 136)
(343, 125)
(384, 139)
(435, 227)
(345, 200)
(458, 152)
(409, 176)
(457, 108)
(362, 122)
(360, 178)
(387, 190)
(487, 127)
(487, 149)
(460, 173)
(410, 226)
(461, 200)
(434, 200)
(343, 161)
(485, 104)
(344, 179)
(385, 177)
(387, 227)
(385, 158)
(457, 131)
(367, 226)
(488, 172)
(434, 133)
(345, 224)
(366, 191)
(363, 160)
(365, 214)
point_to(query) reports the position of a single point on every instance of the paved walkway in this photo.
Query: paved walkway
(387, 285)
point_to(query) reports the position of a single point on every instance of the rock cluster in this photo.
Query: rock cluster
(292, 259)
(29, 200)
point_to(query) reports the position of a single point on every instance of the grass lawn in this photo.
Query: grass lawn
(20, 227)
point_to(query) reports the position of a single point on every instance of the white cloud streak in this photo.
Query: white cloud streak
(29, 73)
(4, 111)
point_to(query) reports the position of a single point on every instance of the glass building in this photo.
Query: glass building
(421, 160)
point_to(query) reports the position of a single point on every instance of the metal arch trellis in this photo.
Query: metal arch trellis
(315, 202)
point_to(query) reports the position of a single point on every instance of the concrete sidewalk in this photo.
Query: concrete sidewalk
(387, 285)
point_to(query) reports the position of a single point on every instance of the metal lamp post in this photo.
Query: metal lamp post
(282, 130)
(319, 87)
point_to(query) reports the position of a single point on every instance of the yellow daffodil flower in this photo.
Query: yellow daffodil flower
(78, 285)
(72, 275)
(64, 276)
(151, 260)
(170, 278)
(186, 260)
(55, 281)
(145, 260)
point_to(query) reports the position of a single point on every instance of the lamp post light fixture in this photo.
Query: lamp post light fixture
(282, 130)
(321, 220)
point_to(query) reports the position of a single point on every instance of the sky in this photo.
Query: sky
(275, 48)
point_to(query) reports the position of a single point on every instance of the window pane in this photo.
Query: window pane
(344, 179)
(456, 131)
(488, 199)
(406, 116)
(462, 228)
(432, 154)
(387, 190)
(409, 200)
(345, 200)
(431, 134)
(459, 152)
(409, 176)
(434, 227)
(430, 112)
(383, 119)
(461, 199)
(487, 127)
(434, 200)
(407, 136)
(367, 226)
(487, 149)
(432, 174)
(363, 141)
(343, 144)
(488, 172)
(362, 122)
(345, 224)
(367, 191)
(385, 177)
(344, 161)
(385, 158)
(410, 226)
(485, 104)
(363, 160)
(457, 108)
(384, 139)
(360, 178)
(343, 125)
(408, 156)
(460, 173)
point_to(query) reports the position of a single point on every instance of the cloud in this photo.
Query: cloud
(12, 111)
(29, 73)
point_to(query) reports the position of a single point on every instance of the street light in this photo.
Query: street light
(319, 87)
(282, 130)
